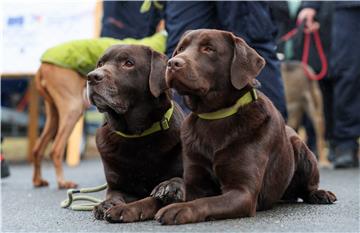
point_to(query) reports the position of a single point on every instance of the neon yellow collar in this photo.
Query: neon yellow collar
(156, 127)
(249, 97)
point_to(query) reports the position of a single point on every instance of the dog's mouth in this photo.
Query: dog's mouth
(185, 83)
(104, 106)
(183, 88)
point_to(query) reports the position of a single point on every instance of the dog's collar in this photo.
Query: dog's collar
(247, 98)
(161, 125)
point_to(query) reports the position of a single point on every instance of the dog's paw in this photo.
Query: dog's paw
(40, 183)
(66, 185)
(99, 210)
(179, 213)
(321, 197)
(169, 191)
(126, 213)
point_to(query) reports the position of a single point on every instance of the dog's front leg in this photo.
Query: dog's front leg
(140, 210)
(232, 204)
(113, 197)
(170, 191)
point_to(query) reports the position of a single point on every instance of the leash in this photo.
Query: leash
(306, 51)
(67, 203)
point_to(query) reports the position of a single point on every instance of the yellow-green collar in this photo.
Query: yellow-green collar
(156, 127)
(249, 97)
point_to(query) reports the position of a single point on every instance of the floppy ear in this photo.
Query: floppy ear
(157, 82)
(246, 64)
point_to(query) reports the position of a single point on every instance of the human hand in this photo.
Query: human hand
(308, 14)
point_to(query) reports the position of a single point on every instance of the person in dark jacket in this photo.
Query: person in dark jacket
(249, 20)
(123, 19)
(345, 74)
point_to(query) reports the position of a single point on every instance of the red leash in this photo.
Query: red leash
(306, 49)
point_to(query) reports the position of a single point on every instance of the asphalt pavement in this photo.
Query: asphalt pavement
(26, 209)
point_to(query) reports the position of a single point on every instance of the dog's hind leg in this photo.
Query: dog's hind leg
(314, 109)
(49, 130)
(47, 135)
(65, 87)
(305, 181)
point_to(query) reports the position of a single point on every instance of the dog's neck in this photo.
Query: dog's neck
(214, 100)
(141, 116)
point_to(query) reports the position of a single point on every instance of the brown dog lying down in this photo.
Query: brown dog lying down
(241, 159)
(139, 142)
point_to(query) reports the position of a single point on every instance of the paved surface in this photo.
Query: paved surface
(25, 209)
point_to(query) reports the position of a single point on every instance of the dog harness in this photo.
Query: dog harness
(248, 98)
(82, 55)
(161, 125)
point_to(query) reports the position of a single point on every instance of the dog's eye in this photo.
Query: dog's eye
(100, 64)
(181, 49)
(208, 49)
(128, 63)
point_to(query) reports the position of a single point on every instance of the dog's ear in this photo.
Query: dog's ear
(246, 63)
(157, 82)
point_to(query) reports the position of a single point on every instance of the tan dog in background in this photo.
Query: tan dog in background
(62, 90)
(304, 96)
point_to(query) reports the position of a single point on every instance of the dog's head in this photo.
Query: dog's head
(209, 62)
(124, 75)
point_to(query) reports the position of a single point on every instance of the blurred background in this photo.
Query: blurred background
(28, 29)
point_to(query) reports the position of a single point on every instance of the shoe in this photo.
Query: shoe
(356, 158)
(344, 158)
(5, 171)
(331, 155)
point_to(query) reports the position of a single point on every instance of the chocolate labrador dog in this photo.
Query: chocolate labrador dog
(139, 142)
(238, 154)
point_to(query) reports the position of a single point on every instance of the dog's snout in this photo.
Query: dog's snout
(176, 63)
(94, 77)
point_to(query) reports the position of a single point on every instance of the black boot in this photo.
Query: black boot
(345, 158)
(5, 171)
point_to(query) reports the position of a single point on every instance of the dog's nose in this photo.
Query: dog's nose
(94, 77)
(176, 63)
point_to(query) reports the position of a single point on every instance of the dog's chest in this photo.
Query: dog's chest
(133, 171)
(209, 138)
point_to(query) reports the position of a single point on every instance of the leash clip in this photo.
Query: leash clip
(164, 123)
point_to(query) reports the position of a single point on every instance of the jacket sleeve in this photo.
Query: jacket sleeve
(311, 4)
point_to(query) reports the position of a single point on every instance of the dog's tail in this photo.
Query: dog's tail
(40, 83)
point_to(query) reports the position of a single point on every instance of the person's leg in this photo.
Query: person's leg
(345, 64)
(270, 78)
(183, 16)
(311, 136)
(252, 21)
(327, 90)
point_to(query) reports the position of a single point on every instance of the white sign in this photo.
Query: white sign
(30, 27)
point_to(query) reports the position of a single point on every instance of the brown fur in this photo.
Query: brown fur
(62, 91)
(304, 96)
(128, 86)
(242, 163)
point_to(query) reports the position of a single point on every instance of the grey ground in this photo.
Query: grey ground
(25, 209)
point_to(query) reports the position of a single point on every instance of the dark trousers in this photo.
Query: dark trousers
(345, 71)
(249, 20)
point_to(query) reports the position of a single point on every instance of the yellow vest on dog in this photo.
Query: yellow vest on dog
(82, 55)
